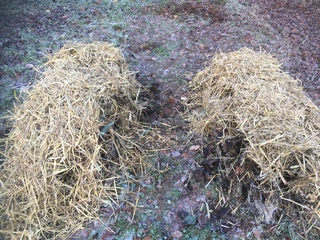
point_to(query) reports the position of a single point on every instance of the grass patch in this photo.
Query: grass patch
(125, 229)
(194, 233)
(162, 51)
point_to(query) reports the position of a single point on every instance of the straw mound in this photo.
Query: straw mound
(247, 96)
(71, 141)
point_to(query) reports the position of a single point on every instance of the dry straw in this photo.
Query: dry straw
(71, 143)
(246, 94)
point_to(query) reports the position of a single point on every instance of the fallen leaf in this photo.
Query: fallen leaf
(248, 38)
(238, 171)
(175, 153)
(201, 198)
(172, 100)
(184, 178)
(29, 66)
(186, 155)
(177, 234)
(148, 180)
(256, 232)
(194, 148)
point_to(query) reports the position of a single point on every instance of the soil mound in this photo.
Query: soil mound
(245, 95)
(71, 143)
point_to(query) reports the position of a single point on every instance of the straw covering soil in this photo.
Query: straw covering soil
(71, 143)
(245, 95)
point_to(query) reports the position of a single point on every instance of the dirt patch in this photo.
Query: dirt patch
(181, 10)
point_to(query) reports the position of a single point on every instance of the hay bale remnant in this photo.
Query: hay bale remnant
(244, 94)
(72, 140)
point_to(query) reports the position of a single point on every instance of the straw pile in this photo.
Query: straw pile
(71, 143)
(247, 95)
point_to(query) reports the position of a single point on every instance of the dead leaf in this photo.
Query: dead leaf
(238, 171)
(172, 100)
(29, 66)
(175, 153)
(248, 38)
(177, 234)
(186, 155)
(194, 148)
(256, 232)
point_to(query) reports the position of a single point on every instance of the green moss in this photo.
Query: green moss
(195, 233)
